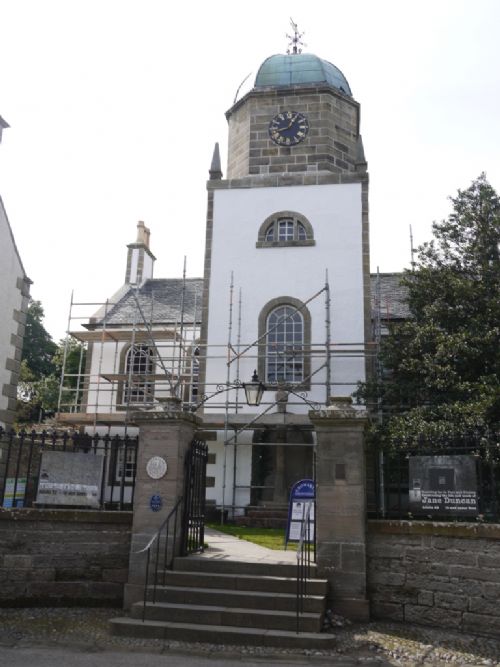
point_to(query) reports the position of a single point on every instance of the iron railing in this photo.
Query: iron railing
(195, 497)
(164, 554)
(306, 544)
(390, 481)
(21, 458)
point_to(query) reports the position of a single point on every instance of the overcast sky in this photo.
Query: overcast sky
(115, 105)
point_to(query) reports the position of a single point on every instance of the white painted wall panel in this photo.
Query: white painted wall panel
(334, 211)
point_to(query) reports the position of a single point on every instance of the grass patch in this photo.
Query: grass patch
(272, 538)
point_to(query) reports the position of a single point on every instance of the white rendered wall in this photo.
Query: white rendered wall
(106, 358)
(10, 299)
(134, 263)
(334, 212)
(226, 492)
(147, 270)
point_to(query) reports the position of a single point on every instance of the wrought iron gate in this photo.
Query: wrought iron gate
(194, 498)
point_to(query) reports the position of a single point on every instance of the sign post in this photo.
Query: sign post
(302, 494)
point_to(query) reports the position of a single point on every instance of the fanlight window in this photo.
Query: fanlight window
(286, 228)
(139, 368)
(285, 345)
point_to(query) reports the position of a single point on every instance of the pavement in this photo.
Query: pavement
(227, 547)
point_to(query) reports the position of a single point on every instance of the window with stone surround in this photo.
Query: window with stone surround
(285, 228)
(285, 335)
(139, 368)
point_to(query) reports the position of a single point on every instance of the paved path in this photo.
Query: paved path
(228, 547)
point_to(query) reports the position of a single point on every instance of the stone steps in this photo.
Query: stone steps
(264, 517)
(221, 634)
(239, 567)
(236, 598)
(263, 619)
(229, 602)
(241, 582)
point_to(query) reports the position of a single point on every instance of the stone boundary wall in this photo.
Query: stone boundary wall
(63, 556)
(440, 574)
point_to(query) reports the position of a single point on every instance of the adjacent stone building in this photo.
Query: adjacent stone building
(14, 295)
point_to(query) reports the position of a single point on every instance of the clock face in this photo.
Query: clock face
(288, 128)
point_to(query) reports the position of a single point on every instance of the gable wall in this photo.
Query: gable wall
(14, 291)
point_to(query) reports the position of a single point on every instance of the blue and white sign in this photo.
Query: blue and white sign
(301, 505)
(156, 503)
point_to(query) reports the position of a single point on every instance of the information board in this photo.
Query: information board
(70, 478)
(443, 485)
(301, 505)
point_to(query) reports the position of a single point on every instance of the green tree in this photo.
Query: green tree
(41, 368)
(70, 356)
(442, 366)
(38, 346)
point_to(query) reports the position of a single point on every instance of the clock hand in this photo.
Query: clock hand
(291, 122)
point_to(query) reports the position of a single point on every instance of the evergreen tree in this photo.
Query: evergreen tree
(38, 346)
(442, 366)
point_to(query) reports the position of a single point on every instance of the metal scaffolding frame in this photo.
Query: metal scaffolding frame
(174, 370)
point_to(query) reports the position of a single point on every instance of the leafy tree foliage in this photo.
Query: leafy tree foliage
(442, 366)
(38, 346)
(41, 368)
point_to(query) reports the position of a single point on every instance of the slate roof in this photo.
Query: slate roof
(161, 302)
(393, 304)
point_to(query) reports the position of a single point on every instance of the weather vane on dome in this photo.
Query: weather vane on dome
(296, 40)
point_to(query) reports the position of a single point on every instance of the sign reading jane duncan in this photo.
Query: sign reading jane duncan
(443, 485)
(68, 478)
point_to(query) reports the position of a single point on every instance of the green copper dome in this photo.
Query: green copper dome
(300, 69)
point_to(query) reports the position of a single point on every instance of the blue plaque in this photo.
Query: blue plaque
(155, 503)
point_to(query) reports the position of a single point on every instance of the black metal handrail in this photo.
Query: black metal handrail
(168, 555)
(304, 559)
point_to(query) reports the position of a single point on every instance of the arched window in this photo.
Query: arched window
(284, 342)
(286, 228)
(139, 369)
(285, 345)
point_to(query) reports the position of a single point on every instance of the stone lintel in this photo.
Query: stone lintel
(165, 416)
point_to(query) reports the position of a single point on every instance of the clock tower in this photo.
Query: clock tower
(290, 221)
(299, 118)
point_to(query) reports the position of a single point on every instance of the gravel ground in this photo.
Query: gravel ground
(377, 642)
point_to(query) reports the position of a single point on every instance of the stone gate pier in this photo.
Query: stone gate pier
(165, 434)
(341, 505)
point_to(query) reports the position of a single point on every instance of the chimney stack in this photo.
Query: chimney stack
(140, 259)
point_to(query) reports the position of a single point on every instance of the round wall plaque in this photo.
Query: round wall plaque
(156, 467)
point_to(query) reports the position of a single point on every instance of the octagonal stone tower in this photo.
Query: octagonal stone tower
(319, 91)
